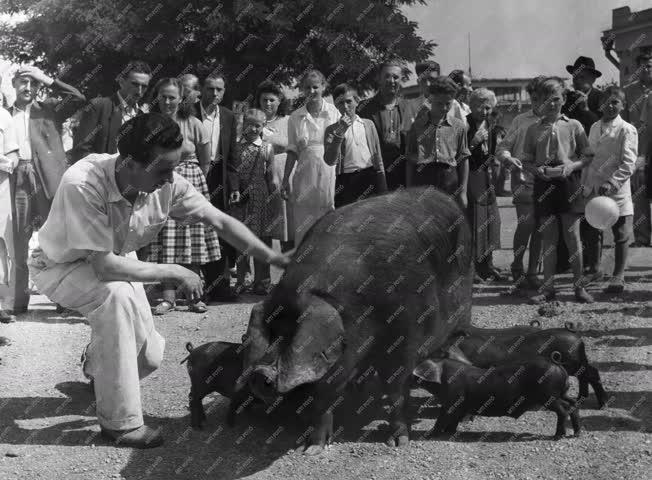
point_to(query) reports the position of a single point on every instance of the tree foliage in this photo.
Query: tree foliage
(88, 42)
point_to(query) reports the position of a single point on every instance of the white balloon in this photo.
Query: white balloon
(602, 212)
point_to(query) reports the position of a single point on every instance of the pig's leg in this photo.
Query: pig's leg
(197, 414)
(326, 397)
(399, 395)
(593, 377)
(560, 407)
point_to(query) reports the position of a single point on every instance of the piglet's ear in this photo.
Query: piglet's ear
(429, 370)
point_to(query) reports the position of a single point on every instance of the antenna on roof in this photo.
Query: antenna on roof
(469, 42)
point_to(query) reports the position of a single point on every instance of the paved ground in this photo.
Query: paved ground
(47, 428)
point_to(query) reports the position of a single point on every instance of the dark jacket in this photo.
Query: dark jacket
(371, 110)
(222, 178)
(45, 128)
(98, 127)
(572, 110)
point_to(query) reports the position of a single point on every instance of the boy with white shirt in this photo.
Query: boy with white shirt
(614, 143)
(353, 145)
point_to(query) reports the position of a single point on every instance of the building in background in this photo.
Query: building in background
(510, 93)
(629, 36)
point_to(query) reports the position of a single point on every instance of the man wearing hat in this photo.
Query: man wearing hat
(106, 207)
(583, 104)
(41, 161)
(584, 76)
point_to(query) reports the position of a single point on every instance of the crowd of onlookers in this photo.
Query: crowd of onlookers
(279, 167)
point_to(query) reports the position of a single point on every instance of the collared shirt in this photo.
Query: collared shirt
(459, 110)
(306, 130)
(128, 112)
(89, 214)
(8, 142)
(513, 143)
(636, 95)
(554, 143)
(445, 142)
(357, 155)
(614, 144)
(21, 124)
(212, 125)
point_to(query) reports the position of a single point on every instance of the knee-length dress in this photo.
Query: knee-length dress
(482, 210)
(254, 160)
(187, 244)
(313, 184)
(276, 133)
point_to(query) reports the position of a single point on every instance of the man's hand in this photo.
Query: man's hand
(344, 123)
(569, 167)
(539, 172)
(36, 73)
(640, 163)
(515, 162)
(234, 197)
(285, 190)
(282, 260)
(188, 282)
(607, 189)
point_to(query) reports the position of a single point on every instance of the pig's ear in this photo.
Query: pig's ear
(315, 347)
(255, 343)
(455, 353)
(428, 370)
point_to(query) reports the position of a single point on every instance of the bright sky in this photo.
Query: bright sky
(519, 38)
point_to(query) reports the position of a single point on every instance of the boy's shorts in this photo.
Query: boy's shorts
(623, 229)
(559, 195)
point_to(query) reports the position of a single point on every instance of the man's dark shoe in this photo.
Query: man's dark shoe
(141, 437)
(6, 317)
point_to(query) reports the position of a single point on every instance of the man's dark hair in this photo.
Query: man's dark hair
(138, 136)
(344, 88)
(612, 91)
(457, 76)
(215, 76)
(137, 66)
(443, 86)
(643, 57)
(427, 67)
(533, 84)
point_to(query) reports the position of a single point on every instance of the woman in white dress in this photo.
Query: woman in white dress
(313, 186)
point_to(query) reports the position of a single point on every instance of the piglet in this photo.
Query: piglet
(507, 390)
(215, 367)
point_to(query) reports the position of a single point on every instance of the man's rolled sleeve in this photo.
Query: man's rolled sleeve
(188, 204)
(463, 151)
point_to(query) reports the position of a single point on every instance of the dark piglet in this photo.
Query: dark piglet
(488, 347)
(215, 367)
(506, 390)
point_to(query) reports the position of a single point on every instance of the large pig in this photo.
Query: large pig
(486, 347)
(375, 285)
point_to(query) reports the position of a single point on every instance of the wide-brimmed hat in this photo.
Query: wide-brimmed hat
(583, 63)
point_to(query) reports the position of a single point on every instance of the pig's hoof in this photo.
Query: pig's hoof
(558, 436)
(398, 441)
(313, 450)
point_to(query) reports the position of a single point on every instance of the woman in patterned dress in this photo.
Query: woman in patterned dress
(313, 186)
(187, 245)
(270, 99)
(253, 157)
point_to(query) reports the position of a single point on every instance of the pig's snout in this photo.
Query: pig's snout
(263, 383)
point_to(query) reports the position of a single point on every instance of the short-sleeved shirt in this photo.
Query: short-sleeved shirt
(194, 134)
(445, 142)
(89, 214)
(554, 143)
